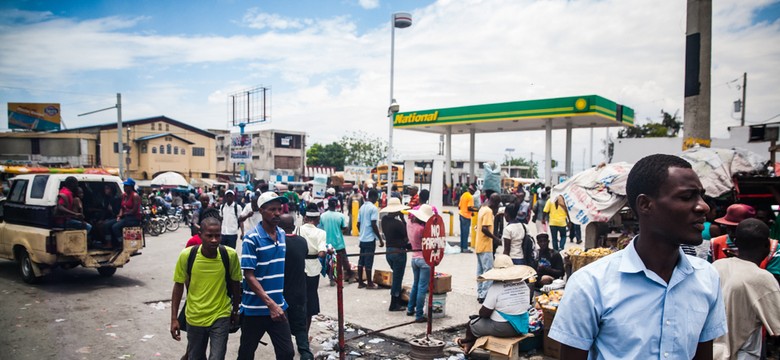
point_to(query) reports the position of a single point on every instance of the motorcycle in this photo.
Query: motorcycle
(173, 219)
(147, 222)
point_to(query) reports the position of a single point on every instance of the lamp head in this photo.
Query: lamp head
(394, 107)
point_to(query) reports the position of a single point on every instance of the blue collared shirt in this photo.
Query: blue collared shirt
(618, 309)
(266, 257)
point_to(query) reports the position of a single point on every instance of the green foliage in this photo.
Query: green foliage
(356, 148)
(670, 126)
(363, 149)
(332, 154)
(533, 168)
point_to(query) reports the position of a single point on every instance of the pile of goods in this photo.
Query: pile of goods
(580, 258)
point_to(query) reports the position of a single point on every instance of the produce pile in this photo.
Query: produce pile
(595, 252)
(550, 300)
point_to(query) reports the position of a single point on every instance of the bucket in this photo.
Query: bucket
(439, 306)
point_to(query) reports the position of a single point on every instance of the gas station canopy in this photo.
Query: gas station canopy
(580, 111)
(588, 111)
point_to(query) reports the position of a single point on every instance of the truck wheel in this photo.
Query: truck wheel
(26, 268)
(106, 271)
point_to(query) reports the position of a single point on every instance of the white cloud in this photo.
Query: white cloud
(369, 4)
(328, 77)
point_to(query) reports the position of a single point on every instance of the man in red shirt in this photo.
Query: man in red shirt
(723, 246)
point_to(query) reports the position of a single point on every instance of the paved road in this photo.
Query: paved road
(76, 314)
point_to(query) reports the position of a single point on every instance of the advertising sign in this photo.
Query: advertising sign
(433, 241)
(240, 148)
(34, 116)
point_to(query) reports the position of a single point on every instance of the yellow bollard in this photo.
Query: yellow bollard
(473, 234)
(452, 222)
(355, 210)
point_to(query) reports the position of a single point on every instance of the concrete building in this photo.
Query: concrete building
(153, 146)
(48, 149)
(275, 154)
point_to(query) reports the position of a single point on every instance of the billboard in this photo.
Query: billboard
(240, 148)
(34, 116)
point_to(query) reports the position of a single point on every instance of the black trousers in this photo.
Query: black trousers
(252, 330)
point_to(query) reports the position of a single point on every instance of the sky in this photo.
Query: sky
(328, 62)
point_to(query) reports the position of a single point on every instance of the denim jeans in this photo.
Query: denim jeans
(576, 233)
(78, 224)
(558, 236)
(199, 337)
(422, 277)
(484, 263)
(115, 228)
(465, 226)
(398, 266)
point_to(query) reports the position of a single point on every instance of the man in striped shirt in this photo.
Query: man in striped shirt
(262, 303)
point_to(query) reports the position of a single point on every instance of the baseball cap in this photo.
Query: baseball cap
(129, 182)
(229, 192)
(269, 196)
(736, 213)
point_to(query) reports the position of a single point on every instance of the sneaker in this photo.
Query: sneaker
(421, 320)
(409, 313)
(361, 285)
(467, 251)
(480, 300)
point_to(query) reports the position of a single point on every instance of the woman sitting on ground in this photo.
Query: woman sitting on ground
(504, 312)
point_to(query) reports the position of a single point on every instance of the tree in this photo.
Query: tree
(363, 149)
(669, 127)
(332, 154)
(533, 168)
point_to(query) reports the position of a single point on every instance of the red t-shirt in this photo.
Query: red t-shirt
(195, 240)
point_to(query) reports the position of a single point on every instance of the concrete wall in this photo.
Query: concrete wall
(69, 150)
(266, 157)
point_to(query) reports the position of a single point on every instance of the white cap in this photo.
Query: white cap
(269, 196)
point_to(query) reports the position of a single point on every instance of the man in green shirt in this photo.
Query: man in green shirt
(209, 310)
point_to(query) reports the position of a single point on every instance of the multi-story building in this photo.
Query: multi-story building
(153, 146)
(276, 154)
(48, 149)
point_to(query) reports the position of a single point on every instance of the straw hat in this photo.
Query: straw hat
(504, 270)
(394, 205)
(423, 213)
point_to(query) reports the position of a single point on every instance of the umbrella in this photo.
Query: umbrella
(596, 194)
(169, 179)
(716, 167)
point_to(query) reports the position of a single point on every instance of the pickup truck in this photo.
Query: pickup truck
(28, 233)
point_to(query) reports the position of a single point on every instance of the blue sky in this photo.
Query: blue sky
(328, 61)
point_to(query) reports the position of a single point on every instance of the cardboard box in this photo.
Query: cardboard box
(501, 348)
(383, 278)
(442, 283)
(548, 314)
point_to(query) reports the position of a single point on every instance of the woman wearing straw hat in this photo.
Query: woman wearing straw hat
(394, 232)
(504, 312)
(421, 270)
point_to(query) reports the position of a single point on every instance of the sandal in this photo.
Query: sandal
(465, 346)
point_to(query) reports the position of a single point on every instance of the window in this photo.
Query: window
(18, 191)
(287, 162)
(198, 151)
(205, 175)
(167, 127)
(116, 148)
(288, 141)
(144, 148)
(175, 150)
(162, 149)
(38, 186)
(220, 158)
(152, 126)
(168, 138)
(169, 149)
(154, 149)
(255, 157)
(35, 146)
(159, 127)
(182, 151)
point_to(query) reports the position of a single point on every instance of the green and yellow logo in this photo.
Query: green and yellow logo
(401, 119)
(581, 105)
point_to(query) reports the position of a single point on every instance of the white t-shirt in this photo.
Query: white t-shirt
(230, 218)
(253, 221)
(515, 234)
(316, 240)
(511, 298)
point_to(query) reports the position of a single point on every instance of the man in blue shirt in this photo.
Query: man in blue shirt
(369, 234)
(262, 303)
(334, 223)
(649, 301)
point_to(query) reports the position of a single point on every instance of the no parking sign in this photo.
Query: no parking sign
(433, 241)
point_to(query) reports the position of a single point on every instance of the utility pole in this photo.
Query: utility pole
(698, 63)
(744, 92)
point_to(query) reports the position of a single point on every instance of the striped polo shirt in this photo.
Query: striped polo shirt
(266, 258)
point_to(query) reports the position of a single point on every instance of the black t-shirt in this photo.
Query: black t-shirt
(294, 270)
(554, 264)
(395, 232)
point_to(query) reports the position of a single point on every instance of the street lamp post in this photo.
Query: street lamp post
(399, 20)
(119, 145)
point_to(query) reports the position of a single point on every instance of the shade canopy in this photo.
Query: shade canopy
(170, 179)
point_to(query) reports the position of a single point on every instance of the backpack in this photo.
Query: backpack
(528, 249)
(235, 209)
(190, 262)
